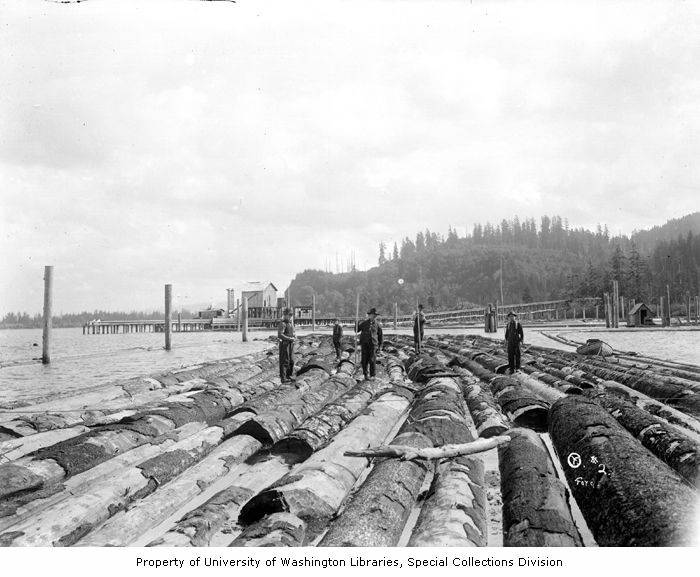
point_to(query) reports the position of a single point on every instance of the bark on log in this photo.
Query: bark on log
(276, 530)
(666, 442)
(272, 425)
(376, 514)
(20, 507)
(549, 394)
(536, 510)
(454, 512)
(688, 424)
(69, 520)
(523, 407)
(315, 490)
(317, 430)
(488, 419)
(628, 497)
(210, 523)
(127, 525)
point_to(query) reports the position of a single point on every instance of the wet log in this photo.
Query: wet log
(568, 384)
(272, 425)
(666, 442)
(22, 506)
(688, 424)
(276, 530)
(536, 510)
(16, 448)
(127, 525)
(205, 525)
(68, 521)
(522, 407)
(376, 514)
(627, 496)
(542, 390)
(317, 430)
(454, 511)
(488, 419)
(316, 488)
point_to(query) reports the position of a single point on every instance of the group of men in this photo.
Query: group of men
(371, 337)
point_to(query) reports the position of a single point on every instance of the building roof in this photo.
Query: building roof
(638, 306)
(256, 286)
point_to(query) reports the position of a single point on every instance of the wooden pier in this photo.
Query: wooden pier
(537, 311)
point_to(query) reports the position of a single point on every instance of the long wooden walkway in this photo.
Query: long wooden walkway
(544, 310)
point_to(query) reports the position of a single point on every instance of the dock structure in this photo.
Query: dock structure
(223, 454)
(537, 311)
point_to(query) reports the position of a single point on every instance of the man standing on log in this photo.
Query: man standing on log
(370, 342)
(514, 337)
(285, 335)
(418, 331)
(337, 338)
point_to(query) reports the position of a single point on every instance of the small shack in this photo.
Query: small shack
(210, 313)
(639, 316)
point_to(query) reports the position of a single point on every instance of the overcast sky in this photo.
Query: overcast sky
(210, 143)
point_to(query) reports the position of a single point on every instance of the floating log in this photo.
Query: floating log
(16, 448)
(488, 419)
(204, 525)
(688, 424)
(68, 521)
(454, 511)
(317, 430)
(627, 496)
(317, 487)
(535, 502)
(21, 506)
(666, 442)
(523, 407)
(126, 526)
(549, 394)
(276, 530)
(376, 514)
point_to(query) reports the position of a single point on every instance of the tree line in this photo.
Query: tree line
(526, 261)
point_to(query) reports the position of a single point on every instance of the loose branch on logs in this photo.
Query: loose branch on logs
(409, 453)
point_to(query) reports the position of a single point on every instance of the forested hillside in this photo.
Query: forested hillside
(541, 261)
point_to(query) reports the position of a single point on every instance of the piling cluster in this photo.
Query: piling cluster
(599, 450)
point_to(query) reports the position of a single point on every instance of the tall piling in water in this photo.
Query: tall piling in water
(245, 319)
(168, 313)
(48, 301)
(616, 304)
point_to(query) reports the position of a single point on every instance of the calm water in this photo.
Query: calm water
(85, 361)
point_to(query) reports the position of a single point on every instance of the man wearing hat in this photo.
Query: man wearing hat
(514, 336)
(370, 342)
(418, 321)
(285, 335)
(337, 338)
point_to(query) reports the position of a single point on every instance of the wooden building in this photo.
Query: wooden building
(262, 299)
(303, 312)
(211, 313)
(639, 316)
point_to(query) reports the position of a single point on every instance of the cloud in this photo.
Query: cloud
(206, 144)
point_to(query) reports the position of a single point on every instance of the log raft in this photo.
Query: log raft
(166, 460)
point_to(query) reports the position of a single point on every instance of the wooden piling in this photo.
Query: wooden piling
(238, 315)
(245, 319)
(396, 315)
(662, 311)
(168, 313)
(668, 307)
(616, 304)
(48, 301)
(313, 312)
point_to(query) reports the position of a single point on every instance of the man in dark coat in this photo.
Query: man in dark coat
(337, 338)
(418, 321)
(370, 342)
(285, 335)
(514, 337)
